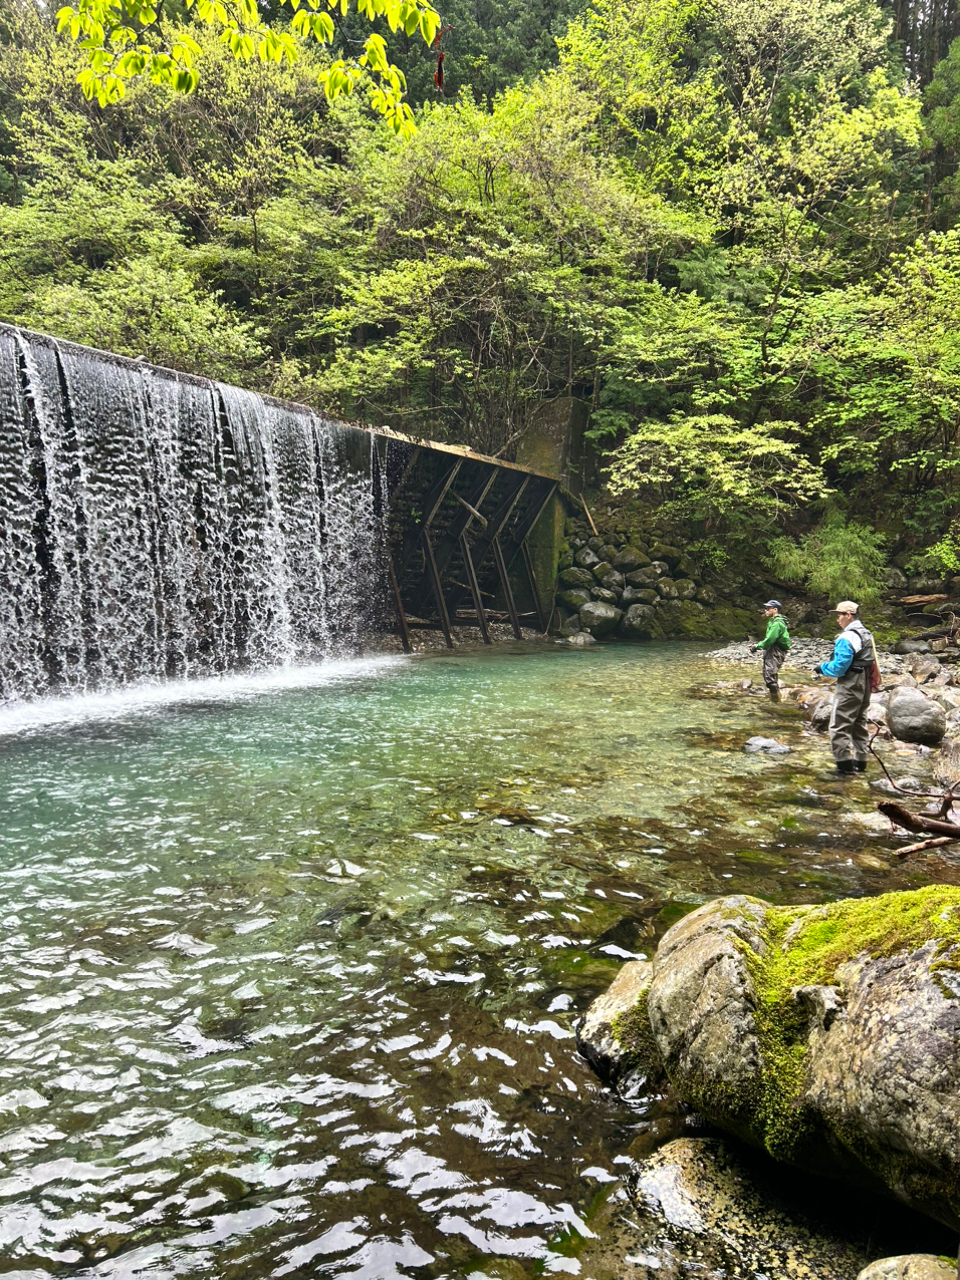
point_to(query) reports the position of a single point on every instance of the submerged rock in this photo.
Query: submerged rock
(827, 1035)
(707, 1209)
(717, 1208)
(768, 745)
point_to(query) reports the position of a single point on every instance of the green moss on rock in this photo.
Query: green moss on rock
(806, 947)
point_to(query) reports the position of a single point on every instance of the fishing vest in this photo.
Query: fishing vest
(861, 642)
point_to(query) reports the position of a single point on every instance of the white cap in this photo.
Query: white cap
(847, 606)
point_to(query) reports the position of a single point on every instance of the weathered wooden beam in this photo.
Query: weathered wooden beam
(459, 451)
(474, 588)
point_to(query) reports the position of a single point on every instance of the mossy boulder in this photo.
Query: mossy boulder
(686, 620)
(827, 1035)
(639, 622)
(577, 578)
(574, 598)
(662, 551)
(732, 623)
(639, 595)
(629, 559)
(599, 618)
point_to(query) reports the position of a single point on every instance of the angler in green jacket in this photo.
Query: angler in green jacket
(774, 646)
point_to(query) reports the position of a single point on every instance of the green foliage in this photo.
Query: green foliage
(710, 469)
(840, 558)
(125, 39)
(711, 223)
(942, 557)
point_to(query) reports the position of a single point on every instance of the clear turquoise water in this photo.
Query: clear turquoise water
(291, 968)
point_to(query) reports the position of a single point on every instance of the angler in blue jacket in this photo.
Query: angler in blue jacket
(854, 654)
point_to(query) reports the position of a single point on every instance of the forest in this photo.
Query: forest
(731, 227)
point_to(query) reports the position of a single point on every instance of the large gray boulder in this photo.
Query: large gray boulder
(641, 578)
(639, 622)
(910, 1266)
(577, 578)
(574, 597)
(630, 558)
(599, 618)
(827, 1035)
(586, 558)
(639, 595)
(913, 717)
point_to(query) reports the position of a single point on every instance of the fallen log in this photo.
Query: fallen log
(934, 599)
(935, 633)
(917, 822)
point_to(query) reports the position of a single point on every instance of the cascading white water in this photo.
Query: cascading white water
(156, 525)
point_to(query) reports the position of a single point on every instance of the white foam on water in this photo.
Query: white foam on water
(144, 699)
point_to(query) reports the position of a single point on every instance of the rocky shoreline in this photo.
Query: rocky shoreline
(824, 1036)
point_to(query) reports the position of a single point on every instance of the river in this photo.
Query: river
(291, 964)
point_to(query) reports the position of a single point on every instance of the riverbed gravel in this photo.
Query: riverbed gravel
(804, 655)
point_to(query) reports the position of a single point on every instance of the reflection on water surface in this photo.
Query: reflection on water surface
(290, 976)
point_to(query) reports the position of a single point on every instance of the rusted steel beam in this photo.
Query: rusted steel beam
(474, 588)
(401, 616)
(431, 505)
(534, 589)
(505, 584)
(437, 587)
(525, 526)
(458, 450)
(483, 544)
(448, 543)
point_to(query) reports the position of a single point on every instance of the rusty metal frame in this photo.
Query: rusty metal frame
(414, 538)
(532, 583)
(398, 602)
(518, 542)
(505, 583)
(452, 538)
(483, 544)
(474, 587)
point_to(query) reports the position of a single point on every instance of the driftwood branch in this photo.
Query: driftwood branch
(907, 849)
(917, 821)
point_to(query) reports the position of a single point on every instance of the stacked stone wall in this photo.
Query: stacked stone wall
(631, 581)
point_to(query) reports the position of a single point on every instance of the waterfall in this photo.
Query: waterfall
(155, 525)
